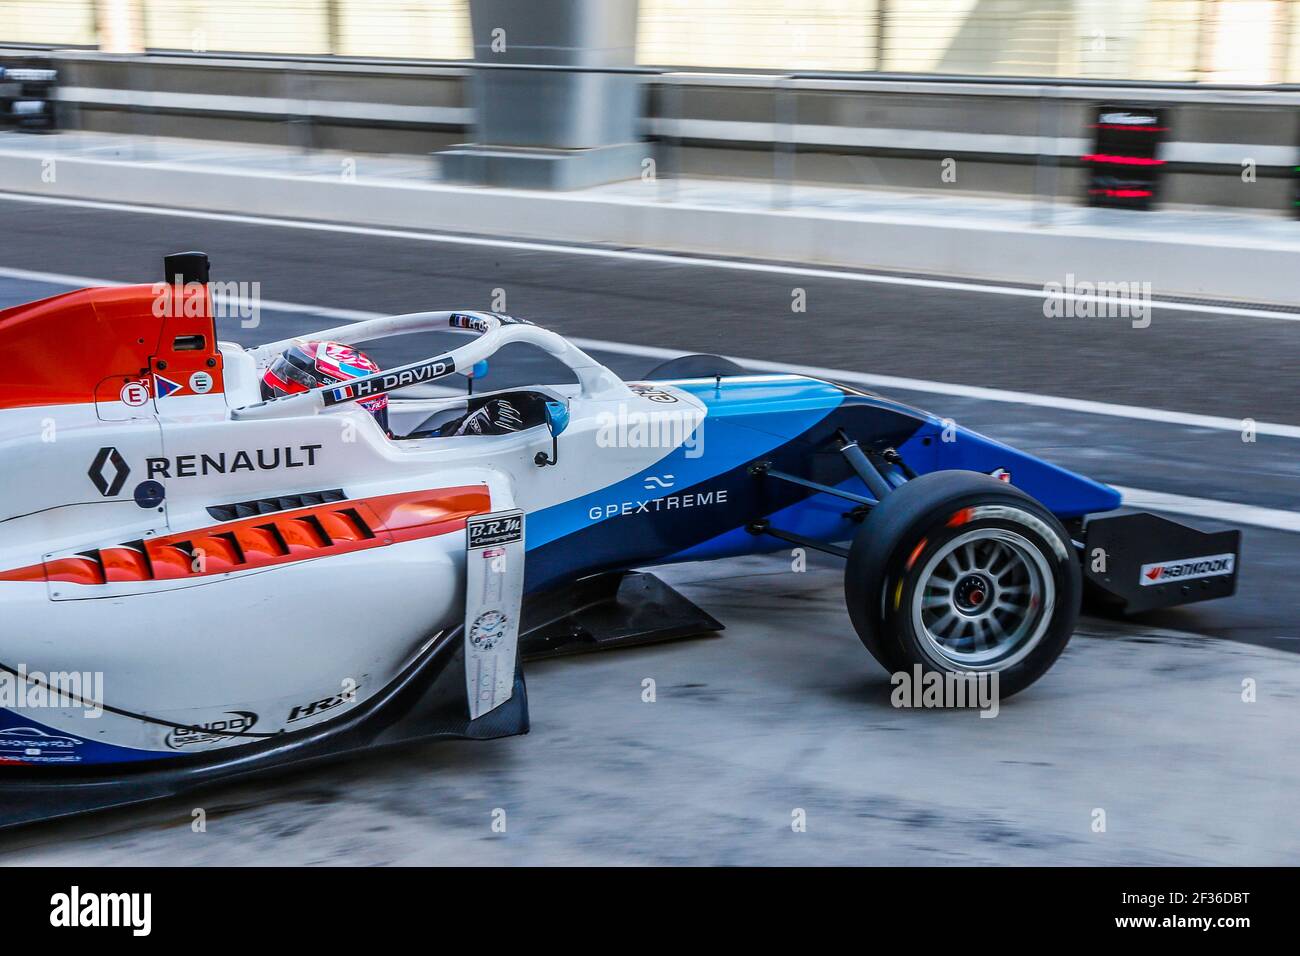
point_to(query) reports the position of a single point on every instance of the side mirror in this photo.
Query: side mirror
(477, 370)
(557, 420)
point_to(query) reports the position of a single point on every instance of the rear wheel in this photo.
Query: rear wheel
(962, 573)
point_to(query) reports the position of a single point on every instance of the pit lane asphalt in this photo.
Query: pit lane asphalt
(785, 710)
(784, 713)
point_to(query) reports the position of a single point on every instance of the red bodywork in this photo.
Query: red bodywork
(85, 346)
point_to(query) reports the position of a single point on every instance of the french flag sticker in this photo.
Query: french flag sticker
(340, 394)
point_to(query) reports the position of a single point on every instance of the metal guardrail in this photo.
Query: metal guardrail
(1049, 147)
(786, 85)
(698, 74)
(953, 84)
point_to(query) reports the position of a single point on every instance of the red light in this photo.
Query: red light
(1121, 193)
(1121, 160)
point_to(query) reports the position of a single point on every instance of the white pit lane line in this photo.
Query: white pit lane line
(1137, 412)
(1229, 511)
(675, 259)
(1232, 512)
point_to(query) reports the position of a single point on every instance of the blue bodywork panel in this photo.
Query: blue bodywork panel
(791, 421)
(20, 734)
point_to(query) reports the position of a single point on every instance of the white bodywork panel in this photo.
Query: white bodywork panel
(292, 644)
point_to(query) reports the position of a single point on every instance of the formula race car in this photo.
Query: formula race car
(201, 582)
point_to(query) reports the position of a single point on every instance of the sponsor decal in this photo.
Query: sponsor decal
(496, 530)
(28, 75)
(1127, 119)
(657, 483)
(31, 745)
(472, 322)
(223, 463)
(108, 472)
(1001, 474)
(135, 394)
(235, 722)
(1006, 513)
(318, 707)
(699, 499)
(494, 585)
(1187, 569)
(487, 630)
(388, 381)
(653, 393)
(200, 383)
(162, 386)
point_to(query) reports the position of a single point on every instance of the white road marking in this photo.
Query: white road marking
(1228, 511)
(1088, 407)
(80, 282)
(1233, 512)
(684, 259)
(871, 380)
(57, 278)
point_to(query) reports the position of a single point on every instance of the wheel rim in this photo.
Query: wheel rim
(984, 600)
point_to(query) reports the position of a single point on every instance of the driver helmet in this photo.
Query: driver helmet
(307, 365)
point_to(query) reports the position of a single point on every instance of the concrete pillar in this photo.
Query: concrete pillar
(120, 26)
(552, 128)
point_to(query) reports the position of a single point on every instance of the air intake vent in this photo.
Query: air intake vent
(266, 506)
(304, 527)
(249, 544)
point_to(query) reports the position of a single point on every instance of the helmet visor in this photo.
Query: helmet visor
(288, 371)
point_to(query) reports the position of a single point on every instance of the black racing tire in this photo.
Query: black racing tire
(984, 556)
(694, 366)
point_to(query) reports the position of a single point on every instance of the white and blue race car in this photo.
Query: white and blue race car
(159, 512)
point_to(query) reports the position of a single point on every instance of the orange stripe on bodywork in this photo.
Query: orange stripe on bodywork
(320, 531)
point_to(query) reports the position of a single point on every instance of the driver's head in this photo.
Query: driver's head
(309, 365)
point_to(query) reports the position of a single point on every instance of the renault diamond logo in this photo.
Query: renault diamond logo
(108, 472)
